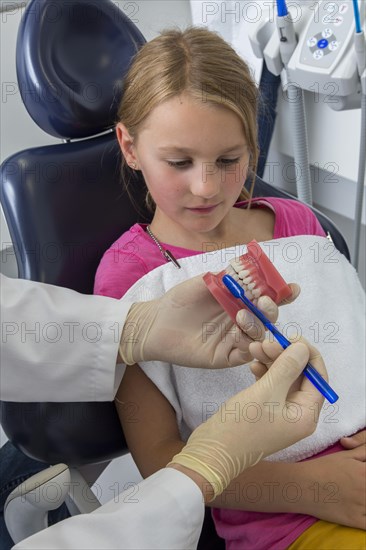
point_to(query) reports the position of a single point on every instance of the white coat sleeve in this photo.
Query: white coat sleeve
(163, 512)
(57, 344)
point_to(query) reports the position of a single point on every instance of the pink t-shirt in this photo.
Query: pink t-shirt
(134, 255)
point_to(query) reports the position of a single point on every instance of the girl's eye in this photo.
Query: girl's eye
(226, 162)
(179, 163)
(186, 163)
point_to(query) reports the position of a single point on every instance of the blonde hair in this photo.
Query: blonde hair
(198, 62)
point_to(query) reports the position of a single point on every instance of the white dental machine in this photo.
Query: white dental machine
(318, 47)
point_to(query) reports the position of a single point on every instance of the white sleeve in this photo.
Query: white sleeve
(57, 344)
(163, 512)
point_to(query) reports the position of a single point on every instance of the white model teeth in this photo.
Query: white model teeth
(230, 271)
(235, 269)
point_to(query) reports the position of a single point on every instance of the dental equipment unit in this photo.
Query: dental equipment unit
(323, 49)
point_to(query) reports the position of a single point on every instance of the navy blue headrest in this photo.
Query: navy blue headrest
(71, 58)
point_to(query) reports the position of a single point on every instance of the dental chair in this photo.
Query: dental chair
(65, 205)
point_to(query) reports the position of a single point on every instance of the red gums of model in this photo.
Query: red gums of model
(266, 277)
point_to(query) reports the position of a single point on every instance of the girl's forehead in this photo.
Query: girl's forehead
(184, 111)
(193, 132)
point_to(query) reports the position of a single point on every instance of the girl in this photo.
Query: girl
(187, 121)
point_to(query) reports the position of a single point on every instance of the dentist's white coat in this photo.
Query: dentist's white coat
(58, 345)
(166, 513)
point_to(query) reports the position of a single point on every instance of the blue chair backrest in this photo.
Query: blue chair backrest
(65, 204)
(71, 58)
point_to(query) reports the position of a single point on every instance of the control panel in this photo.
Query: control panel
(328, 34)
(324, 60)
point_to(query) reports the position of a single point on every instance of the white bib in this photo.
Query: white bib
(330, 313)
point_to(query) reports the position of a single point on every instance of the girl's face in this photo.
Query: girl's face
(194, 159)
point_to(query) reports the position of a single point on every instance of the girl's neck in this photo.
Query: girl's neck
(240, 227)
(173, 233)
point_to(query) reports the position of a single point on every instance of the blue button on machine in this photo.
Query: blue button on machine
(322, 43)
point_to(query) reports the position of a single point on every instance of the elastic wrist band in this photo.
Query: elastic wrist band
(192, 462)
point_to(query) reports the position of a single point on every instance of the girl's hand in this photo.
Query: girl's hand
(335, 487)
(354, 441)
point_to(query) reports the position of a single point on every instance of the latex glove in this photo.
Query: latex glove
(188, 327)
(274, 413)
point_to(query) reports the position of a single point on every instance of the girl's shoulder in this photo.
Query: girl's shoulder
(136, 234)
(293, 218)
(122, 263)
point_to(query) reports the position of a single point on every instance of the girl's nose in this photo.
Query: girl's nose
(206, 183)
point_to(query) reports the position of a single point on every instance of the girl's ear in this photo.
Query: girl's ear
(126, 143)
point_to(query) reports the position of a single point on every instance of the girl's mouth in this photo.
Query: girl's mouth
(203, 209)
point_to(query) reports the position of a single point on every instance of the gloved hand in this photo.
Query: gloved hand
(188, 327)
(275, 412)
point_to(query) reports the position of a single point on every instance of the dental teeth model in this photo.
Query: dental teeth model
(255, 273)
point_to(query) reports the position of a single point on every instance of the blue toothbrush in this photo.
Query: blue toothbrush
(310, 372)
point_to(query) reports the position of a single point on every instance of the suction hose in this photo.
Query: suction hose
(288, 42)
(300, 136)
(360, 184)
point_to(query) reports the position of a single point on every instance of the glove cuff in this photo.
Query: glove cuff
(193, 463)
(136, 331)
